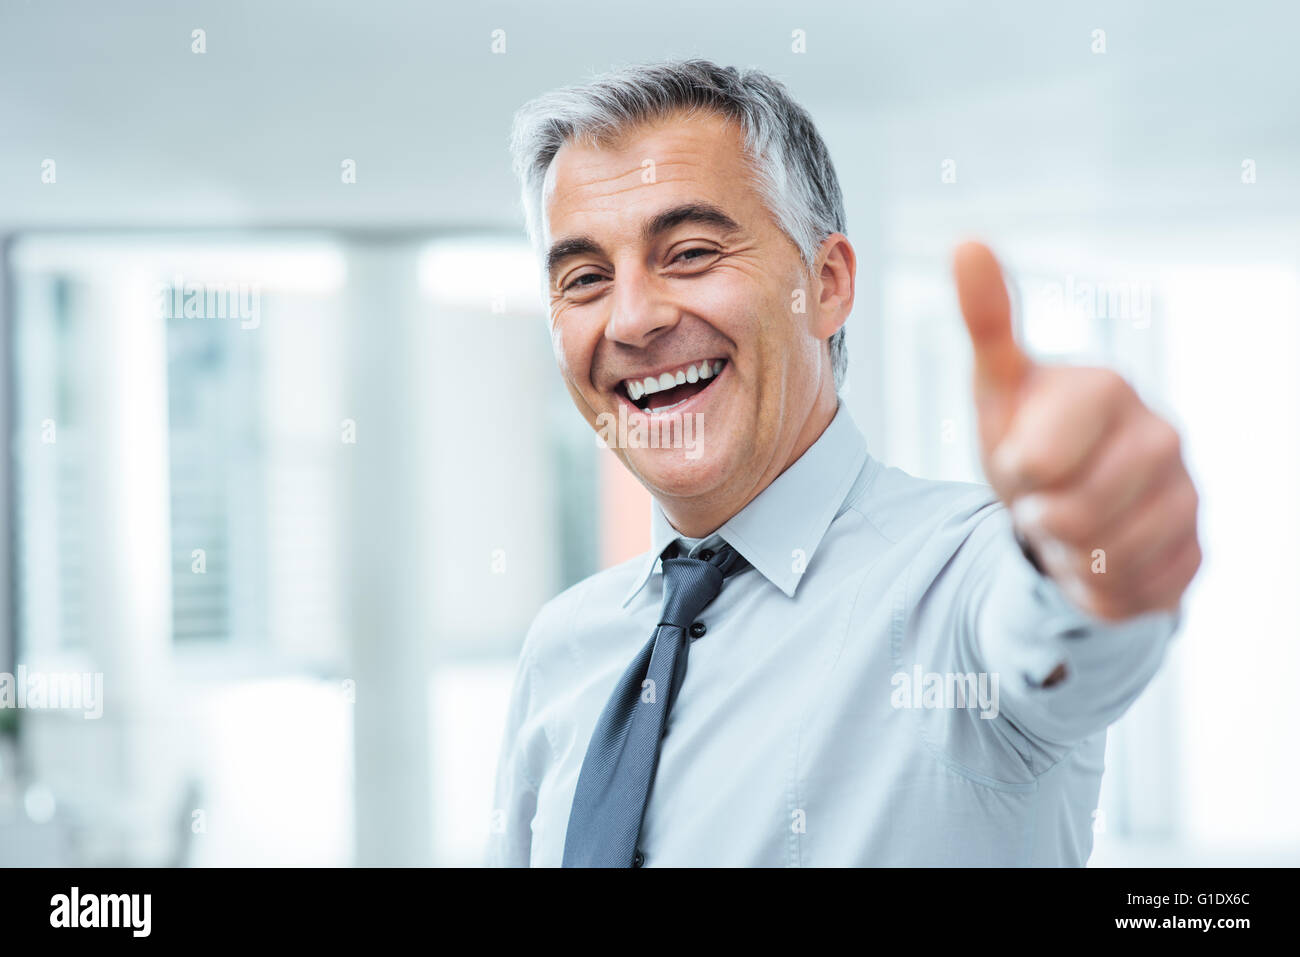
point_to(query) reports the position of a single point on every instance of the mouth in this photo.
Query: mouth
(665, 391)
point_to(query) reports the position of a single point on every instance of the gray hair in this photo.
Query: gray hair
(792, 166)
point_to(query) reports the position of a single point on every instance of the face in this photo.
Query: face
(674, 296)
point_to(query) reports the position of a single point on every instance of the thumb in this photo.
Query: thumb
(1000, 366)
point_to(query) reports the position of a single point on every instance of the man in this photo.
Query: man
(883, 670)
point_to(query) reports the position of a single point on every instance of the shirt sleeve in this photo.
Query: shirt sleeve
(1025, 628)
(515, 792)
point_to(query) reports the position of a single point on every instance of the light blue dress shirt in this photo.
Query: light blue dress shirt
(871, 692)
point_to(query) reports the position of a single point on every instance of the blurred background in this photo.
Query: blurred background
(291, 469)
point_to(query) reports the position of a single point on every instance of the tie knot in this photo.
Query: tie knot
(691, 583)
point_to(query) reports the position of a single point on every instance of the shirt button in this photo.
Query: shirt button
(638, 859)
(706, 554)
(698, 630)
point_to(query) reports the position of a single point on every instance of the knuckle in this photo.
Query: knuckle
(1165, 441)
(1035, 464)
(1064, 523)
(1191, 502)
(1181, 504)
(1108, 384)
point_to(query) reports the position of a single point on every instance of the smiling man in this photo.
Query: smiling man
(883, 670)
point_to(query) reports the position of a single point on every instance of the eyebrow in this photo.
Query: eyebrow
(702, 214)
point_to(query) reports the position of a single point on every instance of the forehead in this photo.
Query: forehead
(625, 180)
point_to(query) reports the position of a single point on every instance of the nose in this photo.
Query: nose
(640, 313)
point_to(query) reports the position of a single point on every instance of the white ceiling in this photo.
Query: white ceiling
(144, 132)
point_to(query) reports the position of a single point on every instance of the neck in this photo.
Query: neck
(698, 518)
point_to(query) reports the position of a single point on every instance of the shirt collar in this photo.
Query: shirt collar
(781, 529)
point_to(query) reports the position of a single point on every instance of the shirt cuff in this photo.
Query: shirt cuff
(1029, 627)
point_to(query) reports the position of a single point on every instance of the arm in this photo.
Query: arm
(515, 793)
(1079, 590)
(1063, 674)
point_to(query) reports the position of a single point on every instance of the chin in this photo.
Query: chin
(679, 472)
(679, 440)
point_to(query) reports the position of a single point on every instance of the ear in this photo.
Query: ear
(836, 268)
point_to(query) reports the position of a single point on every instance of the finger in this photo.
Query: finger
(1179, 566)
(1126, 569)
(1057, 427)
(1129, 462)
(1134, 545)
(1170, 575)
(1000, 364)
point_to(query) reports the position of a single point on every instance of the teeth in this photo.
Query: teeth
(669, 408)
(636, 388)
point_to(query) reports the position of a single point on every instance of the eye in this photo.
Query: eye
(581, 281)
(693, 254)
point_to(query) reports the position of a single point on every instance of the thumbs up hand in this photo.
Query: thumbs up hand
(1095, 480)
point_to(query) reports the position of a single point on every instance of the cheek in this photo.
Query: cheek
(739, 308)
(572, 357)
(574, 364)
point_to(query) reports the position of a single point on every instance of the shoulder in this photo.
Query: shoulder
(901, 505)
(599, 594)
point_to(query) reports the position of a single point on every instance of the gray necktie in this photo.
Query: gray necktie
(619, 767)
